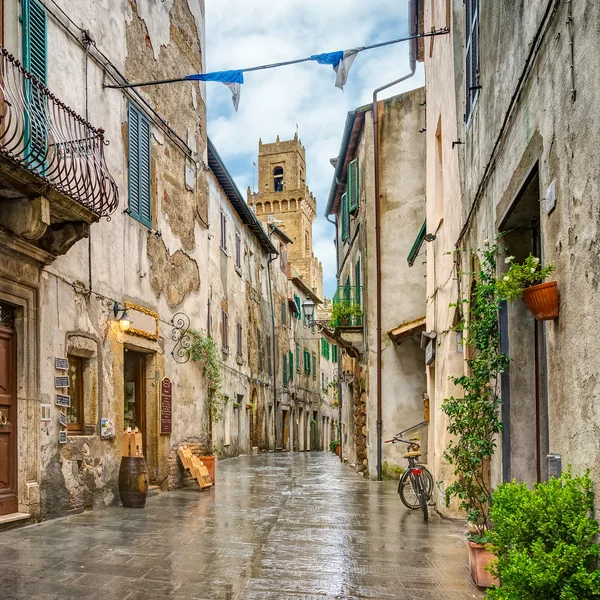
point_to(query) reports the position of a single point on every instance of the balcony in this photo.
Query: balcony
(54, 181)
(347, 309)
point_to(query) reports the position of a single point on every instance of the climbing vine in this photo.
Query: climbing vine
(203, 349)
(474, 418)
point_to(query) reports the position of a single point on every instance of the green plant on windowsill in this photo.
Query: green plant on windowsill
(521, 276)
(250, 406)
(345, 313)
(313, 421)
(236, 405)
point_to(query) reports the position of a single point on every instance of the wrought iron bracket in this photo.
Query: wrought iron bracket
(181, 337)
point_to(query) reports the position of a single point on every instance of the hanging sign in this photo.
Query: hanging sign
(166, 406)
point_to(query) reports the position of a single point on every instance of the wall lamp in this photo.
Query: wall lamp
(430, 237)
(124, 320)
(309, 309)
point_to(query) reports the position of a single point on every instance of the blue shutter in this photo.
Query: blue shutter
(140, 140)
(352, 181)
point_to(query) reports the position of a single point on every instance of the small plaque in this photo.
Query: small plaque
(62, 437)
(107, 429)
(166, 406)
(551, 198)
(63, 419)
(62, 364)
(45, 412)
(62, 400)
(61, 381)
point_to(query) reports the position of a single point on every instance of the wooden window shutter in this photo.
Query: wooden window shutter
(35, 39)
(344, 217)
(285, 370)
(139, 139)
(291, 365)
(353, 189)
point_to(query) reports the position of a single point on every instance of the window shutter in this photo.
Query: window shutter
(291, 365)
(283, 313)
(357, 281)
(34, 39)
(334, 350)
(344, 218)
(285, 371)
(139, 139)
(297, 300)
(353, 189)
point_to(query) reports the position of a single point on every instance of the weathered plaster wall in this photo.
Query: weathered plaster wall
(444, 221)
(546, 126)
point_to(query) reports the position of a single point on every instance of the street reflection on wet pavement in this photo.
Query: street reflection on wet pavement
(275, 527)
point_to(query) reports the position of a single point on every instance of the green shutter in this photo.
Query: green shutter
(334, 355)
(285, 371)
(35, 61)
(344, 217)
(139, 139)
(352, 186)
(297, 301)
(357, 281)
(291, 365)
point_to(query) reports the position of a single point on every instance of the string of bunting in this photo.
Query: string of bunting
(341, 61)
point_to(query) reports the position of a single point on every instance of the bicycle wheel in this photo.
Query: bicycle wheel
(427, 479)
(422, 496)
(407, 491)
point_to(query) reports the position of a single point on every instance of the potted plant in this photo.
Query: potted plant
(474, 419)
(525, 279)
(250, 406)
(544, 540)
(344, 314)
(334, 446)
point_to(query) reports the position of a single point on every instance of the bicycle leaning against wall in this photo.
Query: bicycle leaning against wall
(416, 483)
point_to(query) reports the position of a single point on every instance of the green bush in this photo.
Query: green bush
(543, 540)
(333, 445)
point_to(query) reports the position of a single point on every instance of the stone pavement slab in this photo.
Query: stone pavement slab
(296, 526)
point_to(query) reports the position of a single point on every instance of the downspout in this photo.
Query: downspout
(339, 365)
(272, 257)
(412, 10)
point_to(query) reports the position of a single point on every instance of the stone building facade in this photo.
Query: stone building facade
(352, 201)
(511, 144)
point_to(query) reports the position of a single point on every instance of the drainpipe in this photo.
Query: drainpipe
(339, 365)
(412, 11)
(274, 361)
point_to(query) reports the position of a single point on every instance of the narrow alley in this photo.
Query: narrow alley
(274, 527)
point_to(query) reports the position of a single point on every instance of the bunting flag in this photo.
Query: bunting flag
(232, 79)
(341, 61)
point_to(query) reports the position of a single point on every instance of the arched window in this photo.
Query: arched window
(278, 179)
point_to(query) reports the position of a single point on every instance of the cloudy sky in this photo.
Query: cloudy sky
(245, 33)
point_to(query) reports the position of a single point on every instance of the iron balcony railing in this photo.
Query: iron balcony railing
(346, 310)
(49, 139)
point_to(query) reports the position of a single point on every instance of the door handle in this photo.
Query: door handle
(3, 419)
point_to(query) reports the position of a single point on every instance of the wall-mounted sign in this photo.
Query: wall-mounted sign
(63, 419)
(62, 437)
(62, 364)
(166, 406)
(144, 322)
(62, 400)
(44, 412)
(61, 381)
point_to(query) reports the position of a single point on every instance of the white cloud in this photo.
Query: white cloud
(273, 102)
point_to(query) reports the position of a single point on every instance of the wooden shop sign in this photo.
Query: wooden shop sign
(166, 406)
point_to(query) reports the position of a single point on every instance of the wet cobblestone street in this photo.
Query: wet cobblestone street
(275, 527)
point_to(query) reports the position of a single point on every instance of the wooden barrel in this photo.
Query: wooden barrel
(133, 481)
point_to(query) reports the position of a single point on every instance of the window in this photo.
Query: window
(75, 414)
(314, 365)
(345, 218)
(334, 353)
(471, 56)
(291, 360)
(353, 187)
(260, 351)
(306, 362)
(278, 179)
(283, 258)
(297, 358)
(285, 370)
(323, 385)
(139, 157)
(284, 313)
(238, 251)
(239, 340)
(307, 241)
(223, 232)
(324, 348)
(269, 360)
(224, 331)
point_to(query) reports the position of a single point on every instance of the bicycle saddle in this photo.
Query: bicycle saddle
(411, 454)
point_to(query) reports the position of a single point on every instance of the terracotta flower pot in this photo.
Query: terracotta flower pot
(337, 450)
(479, 558)
(542, 300)
(209, 463)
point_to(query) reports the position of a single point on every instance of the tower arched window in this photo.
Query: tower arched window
(278, 179)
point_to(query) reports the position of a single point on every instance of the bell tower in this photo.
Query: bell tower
(283, 199)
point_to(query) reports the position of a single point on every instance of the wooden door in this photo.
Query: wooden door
(8, 422)
(286, 428)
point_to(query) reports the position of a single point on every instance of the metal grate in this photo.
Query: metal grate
(7, 316)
